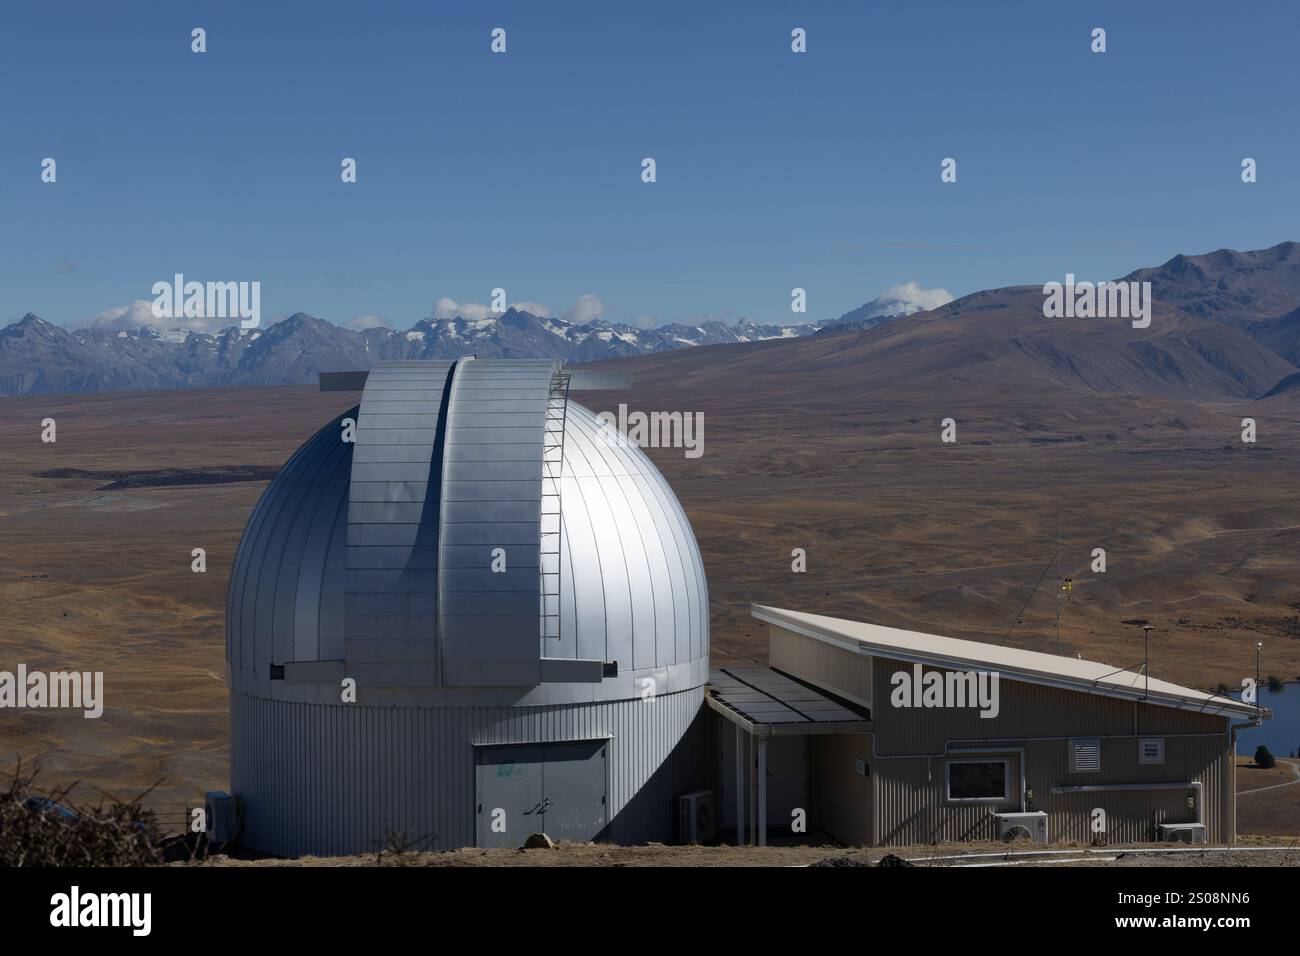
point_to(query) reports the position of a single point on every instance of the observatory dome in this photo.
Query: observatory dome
(468, 560)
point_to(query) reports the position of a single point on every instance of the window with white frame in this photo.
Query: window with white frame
(988, 780)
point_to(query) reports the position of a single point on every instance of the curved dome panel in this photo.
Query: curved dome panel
(632, 582)
(286, 586)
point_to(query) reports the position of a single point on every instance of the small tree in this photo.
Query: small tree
(45, 828)
(1264, 758)
(1275, 684)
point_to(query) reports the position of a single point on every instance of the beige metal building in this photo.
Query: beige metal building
(882, 736)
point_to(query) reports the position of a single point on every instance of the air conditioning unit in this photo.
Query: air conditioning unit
(1031, 826)
(1185, 832)
(697, 815)
(222, 816)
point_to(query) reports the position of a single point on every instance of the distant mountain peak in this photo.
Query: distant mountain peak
(896, 302)
(32, 325)
(1229, 286)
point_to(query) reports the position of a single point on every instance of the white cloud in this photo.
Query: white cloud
(588, 308)
(908, 298)
(446, 308)
(139, 314)
(359, 322)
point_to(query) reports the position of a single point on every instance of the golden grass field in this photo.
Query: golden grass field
(1202, 537)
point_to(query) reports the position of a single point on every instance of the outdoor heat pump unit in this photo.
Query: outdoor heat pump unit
(697, 817)
(1015, 826)
(220, 814)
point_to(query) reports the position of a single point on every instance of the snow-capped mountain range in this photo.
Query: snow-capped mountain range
(39, 357)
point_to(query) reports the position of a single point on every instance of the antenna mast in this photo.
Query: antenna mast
(1058, 584)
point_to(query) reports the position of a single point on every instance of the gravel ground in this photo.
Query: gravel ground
(1251, 851)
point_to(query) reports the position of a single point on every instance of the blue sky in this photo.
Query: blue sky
(522, 170)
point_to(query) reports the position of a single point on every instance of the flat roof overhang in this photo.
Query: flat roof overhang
(767, 703)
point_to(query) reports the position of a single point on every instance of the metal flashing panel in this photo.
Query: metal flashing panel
(489, 556)
(391, 602)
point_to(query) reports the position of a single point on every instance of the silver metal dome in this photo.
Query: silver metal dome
(493, 568)
(374, 559)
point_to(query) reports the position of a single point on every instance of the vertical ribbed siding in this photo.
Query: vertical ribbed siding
(909, 798)
(842, 671)
(910, 792)
(326, 779)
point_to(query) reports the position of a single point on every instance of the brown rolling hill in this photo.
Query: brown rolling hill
(992, 342)
(1227, 285)
(1281, 334)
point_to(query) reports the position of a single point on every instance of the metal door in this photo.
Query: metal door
(559, 789)
(574, 789)
(787, 779)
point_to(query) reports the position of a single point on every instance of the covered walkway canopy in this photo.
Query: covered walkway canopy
(764, 703)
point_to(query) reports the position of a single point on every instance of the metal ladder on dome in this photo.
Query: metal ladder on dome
(557, 406)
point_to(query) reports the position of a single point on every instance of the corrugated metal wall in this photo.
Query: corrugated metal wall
(909, 796)
(910, 790)
(846, 673)
(334, 779)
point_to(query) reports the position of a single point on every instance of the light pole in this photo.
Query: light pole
(1146, 659)
(1259, 645)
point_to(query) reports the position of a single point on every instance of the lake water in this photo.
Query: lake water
(1281, 734)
